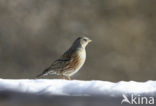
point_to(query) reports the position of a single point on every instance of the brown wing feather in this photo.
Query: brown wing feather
(69, 61)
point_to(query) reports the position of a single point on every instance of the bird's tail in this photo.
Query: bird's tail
(40, 75)
(44, 73)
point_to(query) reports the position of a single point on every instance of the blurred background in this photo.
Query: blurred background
(33, 33)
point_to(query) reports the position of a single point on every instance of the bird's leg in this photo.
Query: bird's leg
(69, 78)
(62, 77)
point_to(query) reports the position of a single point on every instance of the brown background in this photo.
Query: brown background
(33, 33)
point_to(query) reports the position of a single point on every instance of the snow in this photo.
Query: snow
(77, 87)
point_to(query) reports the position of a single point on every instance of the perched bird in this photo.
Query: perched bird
(71, 61)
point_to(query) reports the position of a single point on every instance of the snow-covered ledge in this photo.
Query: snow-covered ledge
(77, 87)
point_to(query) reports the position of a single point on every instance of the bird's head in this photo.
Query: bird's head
(82, 41)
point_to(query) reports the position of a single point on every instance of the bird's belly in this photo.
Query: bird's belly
(74, 71)
(81, 57)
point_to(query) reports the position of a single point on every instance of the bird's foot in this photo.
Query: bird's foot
(63, 77)
(69, 78)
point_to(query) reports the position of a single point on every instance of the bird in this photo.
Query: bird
(70, 62)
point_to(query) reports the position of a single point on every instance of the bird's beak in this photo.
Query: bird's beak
(89, 41)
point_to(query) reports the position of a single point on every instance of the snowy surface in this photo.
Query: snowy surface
(77, 87)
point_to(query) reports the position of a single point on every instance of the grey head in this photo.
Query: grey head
(81, 42)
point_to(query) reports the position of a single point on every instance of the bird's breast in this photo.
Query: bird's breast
(79, 59)
(82, 56)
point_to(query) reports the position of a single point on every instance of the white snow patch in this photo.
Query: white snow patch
(76, 87)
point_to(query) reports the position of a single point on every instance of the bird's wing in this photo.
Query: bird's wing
(61, 63)
(57, 65)
(66, 62)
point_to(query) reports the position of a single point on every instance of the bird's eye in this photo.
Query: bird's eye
(85, 40)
